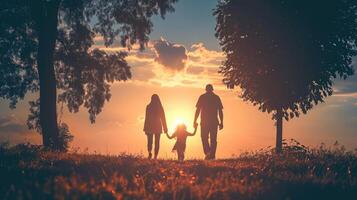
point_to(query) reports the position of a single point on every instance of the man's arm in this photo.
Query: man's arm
(197, 113)
(194, 132)
(220, 112)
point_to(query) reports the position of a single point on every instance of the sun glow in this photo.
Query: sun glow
(179, 116)
(179, 121)
(183, 113)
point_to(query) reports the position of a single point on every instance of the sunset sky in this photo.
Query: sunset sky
(181, 58)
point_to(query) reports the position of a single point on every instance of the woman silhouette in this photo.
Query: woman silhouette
(155, 121)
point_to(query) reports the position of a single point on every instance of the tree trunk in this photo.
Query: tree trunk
(47, 34)
(279, 131)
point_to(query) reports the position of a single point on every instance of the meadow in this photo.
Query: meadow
(29, 172)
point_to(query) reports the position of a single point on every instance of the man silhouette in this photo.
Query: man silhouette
(209, 105)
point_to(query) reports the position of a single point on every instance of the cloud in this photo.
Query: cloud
(4, 120)
(172, 56)
(188, 82)
(210, 60)
(9, 124)
(346, 94)
(142, 64)
(142, 73)
(14, 131)
(202, 66)
(192, 67)
(200, 54)
(195, 70)
(348, 87)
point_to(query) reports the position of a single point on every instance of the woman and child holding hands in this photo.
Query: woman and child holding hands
(209, 105)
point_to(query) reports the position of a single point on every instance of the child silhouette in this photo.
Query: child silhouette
(181, 135)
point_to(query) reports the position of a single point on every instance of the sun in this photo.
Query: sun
(179, 112)
(175, 121)
(179, 121)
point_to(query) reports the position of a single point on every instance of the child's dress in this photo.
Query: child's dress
(181, 137)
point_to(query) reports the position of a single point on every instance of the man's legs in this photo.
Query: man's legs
(150, 137)
(157, 144)
(204, 138)
(213, 138)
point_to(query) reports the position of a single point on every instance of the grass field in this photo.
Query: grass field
(28, 172)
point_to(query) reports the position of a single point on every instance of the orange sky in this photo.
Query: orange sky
(119, 127)
(178, 71)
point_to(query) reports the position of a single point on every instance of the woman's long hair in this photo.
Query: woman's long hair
(155, 102)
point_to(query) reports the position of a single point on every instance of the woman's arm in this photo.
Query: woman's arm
(163, 120)
(146, 123)
(172, 136)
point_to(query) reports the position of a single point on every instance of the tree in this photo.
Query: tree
(46, 47)
(284, 55)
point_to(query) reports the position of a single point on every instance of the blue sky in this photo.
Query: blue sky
(191, 22)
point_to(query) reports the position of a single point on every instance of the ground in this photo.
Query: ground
(29, 172)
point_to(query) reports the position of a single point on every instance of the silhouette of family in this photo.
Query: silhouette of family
(208, 105)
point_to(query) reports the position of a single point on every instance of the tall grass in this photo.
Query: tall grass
(29, 172)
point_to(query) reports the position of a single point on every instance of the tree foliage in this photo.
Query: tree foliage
(83, 73)
(285, 54)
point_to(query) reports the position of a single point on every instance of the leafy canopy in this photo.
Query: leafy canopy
(284, 54)
(83, 73)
